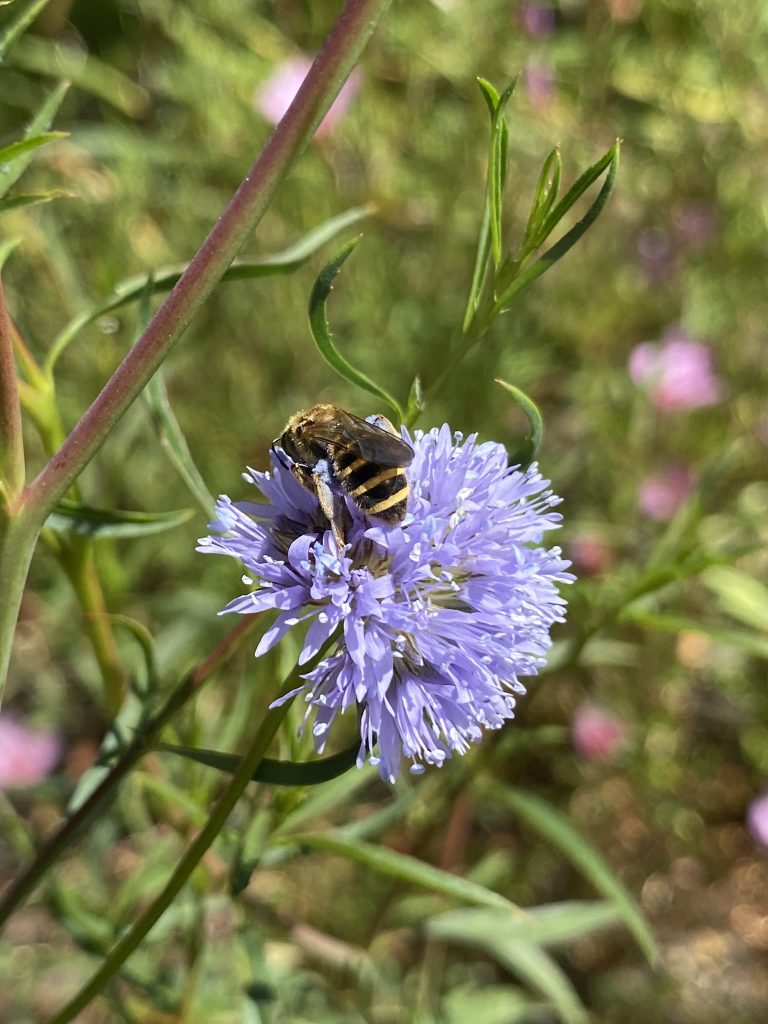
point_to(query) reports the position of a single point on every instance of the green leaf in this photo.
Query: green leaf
(739, 594)
(579, 187)
(555, 827)
(37, 129)
(526, 453)
(401, 867)
(18, 149)
(276, 773)
(560, 248)
(242, 268)
(33, 199)
(23, 18)
(54, 58)
(756, 646)
(173, 442)
(321, 333)
(7, 245)
(553, 924)
(497, 160)
(544, 197)
(71, 517)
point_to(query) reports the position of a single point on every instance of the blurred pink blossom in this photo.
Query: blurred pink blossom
(26, 756)
(539, 20)
(661, 494)
(274, 96)
(757, 819)
(538, 81)
(596, 733)
(591, 552)
(677, 372)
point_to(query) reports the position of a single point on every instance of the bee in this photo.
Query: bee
(335, 454)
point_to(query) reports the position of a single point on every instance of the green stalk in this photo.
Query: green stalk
(195, 852)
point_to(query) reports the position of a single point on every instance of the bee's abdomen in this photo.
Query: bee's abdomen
(377, 491)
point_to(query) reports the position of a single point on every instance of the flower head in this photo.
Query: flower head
(596, 733)
(437, 617)
(662, 494)
(275, 95)
(677, 372)
(26, 756)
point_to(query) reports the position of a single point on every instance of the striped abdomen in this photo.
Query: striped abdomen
(377, 490)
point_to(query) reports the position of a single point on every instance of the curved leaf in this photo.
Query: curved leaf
(33, 199)
(19, 24)
(37, 129)
(551, 924)
(560, 248)
(554, 826)
(402, 867)
(526, 453)
(318, 324)
(242, 268)
(86, 521)
(276, 773)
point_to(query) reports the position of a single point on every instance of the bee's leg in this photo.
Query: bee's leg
(333, 508)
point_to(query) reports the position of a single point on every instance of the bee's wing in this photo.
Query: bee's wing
(372, 443)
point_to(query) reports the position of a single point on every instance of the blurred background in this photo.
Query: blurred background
(645, 348)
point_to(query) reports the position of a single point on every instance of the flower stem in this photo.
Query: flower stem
(11, 442)
(103, 794)
(221, 811)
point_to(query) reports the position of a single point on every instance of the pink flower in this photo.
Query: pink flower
(662, 494)
(539, 20)
(676, 372)
(538, 81)
(591, 552)
(757, 819)
(26, 756)
(274, 96)
(596, 733)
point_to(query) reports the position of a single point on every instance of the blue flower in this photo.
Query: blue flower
(437, 617)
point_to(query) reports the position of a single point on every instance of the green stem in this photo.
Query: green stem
(184, 869)
(17, 544)
(11, 442)
(22, 886)
(77, 558)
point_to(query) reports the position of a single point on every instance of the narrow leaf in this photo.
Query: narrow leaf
(555, 827)
(402, 867)
(37, 128)
(7, 245)
(276, 773)
(577, 190)
(544, 197)
(740, 640)
(321, 333)
(526, 453)
(553, 924)
(32, 199)
(173, 442)
(560, 248)
(19, 24)
(71, 517)
(497, 167)
(739, 594)
(18, 149)
(49, 57)
(242, 268)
